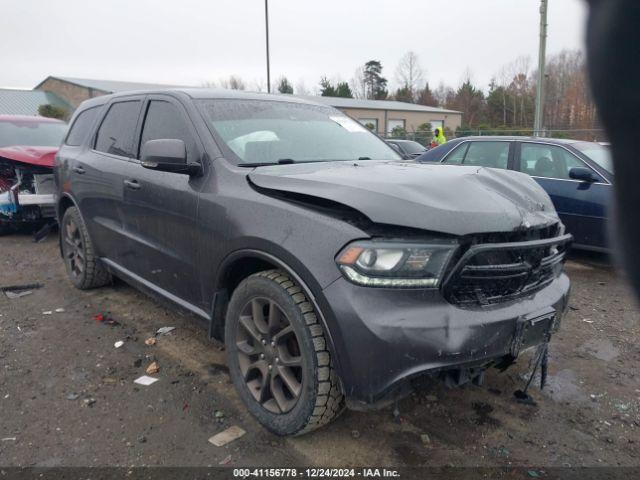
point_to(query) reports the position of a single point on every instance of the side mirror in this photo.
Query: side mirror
(583, 174)
(167, 155)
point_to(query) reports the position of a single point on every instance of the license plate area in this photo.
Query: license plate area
(531, 331)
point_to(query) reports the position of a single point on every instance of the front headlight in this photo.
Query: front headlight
(382, 264)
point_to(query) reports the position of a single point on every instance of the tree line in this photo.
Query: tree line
(508, 104)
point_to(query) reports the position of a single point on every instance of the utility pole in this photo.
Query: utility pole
(266, 22)
(537, 124)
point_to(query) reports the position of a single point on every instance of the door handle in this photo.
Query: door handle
(132, 184)
(78, 170)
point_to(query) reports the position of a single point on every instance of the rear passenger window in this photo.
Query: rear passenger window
(118, 128)
(549, 161)
(80, 128)
(164, 120)
(487, 154)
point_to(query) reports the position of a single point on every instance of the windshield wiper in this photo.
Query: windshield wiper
(282, 161)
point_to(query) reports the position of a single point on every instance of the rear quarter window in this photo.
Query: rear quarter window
(81, 126)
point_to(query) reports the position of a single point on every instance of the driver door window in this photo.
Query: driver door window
(164, 120)
(548, 161)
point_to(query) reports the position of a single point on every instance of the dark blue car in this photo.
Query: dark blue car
(577, 175)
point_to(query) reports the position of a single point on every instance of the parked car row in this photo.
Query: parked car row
(335, 271)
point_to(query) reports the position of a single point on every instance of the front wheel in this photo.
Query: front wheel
(278, 356)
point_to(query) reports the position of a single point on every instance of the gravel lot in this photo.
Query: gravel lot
(589, 415)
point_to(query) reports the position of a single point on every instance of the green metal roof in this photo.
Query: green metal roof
(26, 102)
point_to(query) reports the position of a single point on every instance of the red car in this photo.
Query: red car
(28, 145)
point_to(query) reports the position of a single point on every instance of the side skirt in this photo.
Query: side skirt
(152, 289)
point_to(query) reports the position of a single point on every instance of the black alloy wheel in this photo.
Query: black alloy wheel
(269, 355)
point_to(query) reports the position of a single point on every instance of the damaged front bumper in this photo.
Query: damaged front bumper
(386, 337)
(26, 197)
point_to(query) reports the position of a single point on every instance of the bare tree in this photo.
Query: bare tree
(259, 85)
(233, 82)
(409, 73)
(301, 88)
(236, 83)
(358, 83)
(444, 94)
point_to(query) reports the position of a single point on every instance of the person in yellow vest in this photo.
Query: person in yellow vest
(438, 138)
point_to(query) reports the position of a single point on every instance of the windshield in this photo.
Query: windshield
(413, 147)
(32, 134)
(268, 132)
(598, 153)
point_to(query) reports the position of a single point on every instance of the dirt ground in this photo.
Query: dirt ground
(67, 396)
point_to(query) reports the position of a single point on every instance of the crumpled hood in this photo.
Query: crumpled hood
(457, 200)
(40, 156)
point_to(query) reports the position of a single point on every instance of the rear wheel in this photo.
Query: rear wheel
(83, 267)
(278, 356)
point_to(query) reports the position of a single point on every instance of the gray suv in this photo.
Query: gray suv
(334, 271)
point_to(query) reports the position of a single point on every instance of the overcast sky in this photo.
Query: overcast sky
(188, 42)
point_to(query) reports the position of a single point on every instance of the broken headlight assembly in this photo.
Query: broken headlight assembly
(395, 265)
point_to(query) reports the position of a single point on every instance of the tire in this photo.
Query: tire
(319, 393)
(5, 228)
(83, 266)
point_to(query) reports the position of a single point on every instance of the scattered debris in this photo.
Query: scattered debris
(145, 380)
(150, 341)
(17, 294)
(73, 396)
(219, 414)
(59, 310)
(227, 436)
(106, 318)
(47, 312)
(165, 330)
(533, 474)
(623, 407)
(431, 398)
(118, 344)
(18, 288)
(9, 439)
(225, 461)
(109, 381)
(154, 367)
(586, 320)
(425, 439)
(89, 402)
